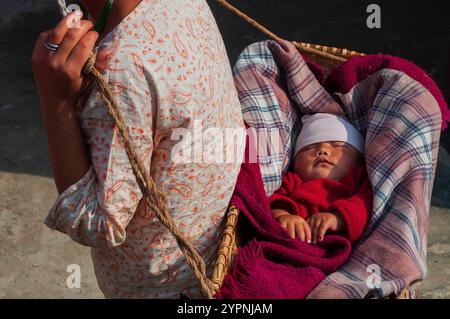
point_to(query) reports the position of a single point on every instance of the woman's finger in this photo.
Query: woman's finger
(40, 53)
(68, 22)
(82, 51)
(71, 39)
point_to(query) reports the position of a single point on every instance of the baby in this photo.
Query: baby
(329, 189)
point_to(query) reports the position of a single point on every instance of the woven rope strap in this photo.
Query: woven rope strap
(156, 199)
(330, 54)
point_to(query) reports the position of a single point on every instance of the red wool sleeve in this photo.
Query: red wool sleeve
(356, 210)
(282, 199)
(278, 201)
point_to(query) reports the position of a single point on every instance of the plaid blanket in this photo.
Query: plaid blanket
(400, 111)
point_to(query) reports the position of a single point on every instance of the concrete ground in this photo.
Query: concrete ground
(34, 260)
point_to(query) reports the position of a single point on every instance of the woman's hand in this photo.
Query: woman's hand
(59, 81)
(58, 74)
(322, 222)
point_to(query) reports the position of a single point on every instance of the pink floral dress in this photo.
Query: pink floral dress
(167, 66)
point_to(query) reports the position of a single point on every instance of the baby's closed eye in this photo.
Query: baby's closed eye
(340, 144)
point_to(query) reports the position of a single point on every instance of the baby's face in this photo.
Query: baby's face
(326, 160)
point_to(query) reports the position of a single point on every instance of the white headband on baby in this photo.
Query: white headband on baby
(324, 127)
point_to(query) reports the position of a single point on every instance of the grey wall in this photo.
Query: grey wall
(10, 8)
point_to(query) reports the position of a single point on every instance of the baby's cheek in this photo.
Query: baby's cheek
(342, 168)
(301, 165)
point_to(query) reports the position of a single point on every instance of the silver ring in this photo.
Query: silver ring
(51, 46)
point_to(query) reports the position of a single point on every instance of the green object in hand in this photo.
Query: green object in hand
(101, 22)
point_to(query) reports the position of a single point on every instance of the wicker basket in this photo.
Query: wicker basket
(329, 58)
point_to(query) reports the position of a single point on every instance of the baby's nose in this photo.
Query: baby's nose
(322, 152)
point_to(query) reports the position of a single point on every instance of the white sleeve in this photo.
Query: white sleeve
(96, 210)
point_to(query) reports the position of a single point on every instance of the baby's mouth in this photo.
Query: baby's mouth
(323, 160)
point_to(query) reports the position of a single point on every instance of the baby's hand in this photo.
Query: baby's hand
(322, 222)
(296, 226)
